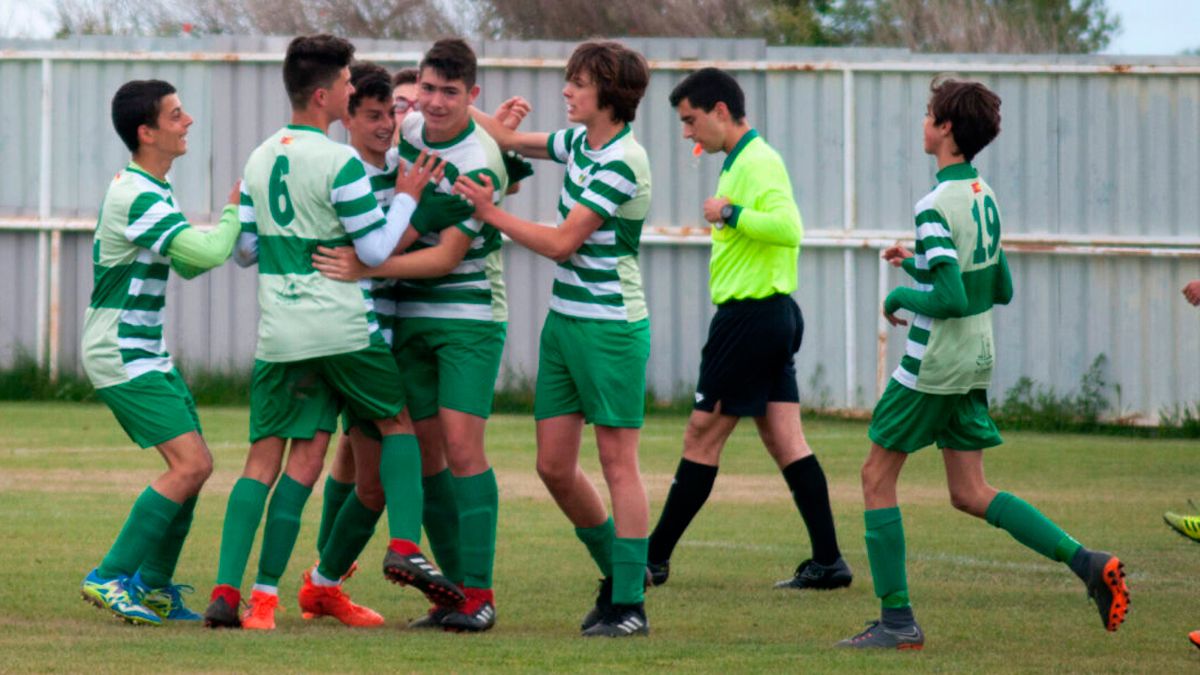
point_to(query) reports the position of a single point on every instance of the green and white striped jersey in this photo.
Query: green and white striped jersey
(474, 290)
(301, 190)
(602, 280)
(123, 325)
(383, 185)
(958, 222)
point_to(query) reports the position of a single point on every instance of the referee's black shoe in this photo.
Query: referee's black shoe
(657, 573)
(811, 574)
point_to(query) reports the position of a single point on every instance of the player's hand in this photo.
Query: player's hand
(896, 255)
(411, 180)
(339, 264)
(712, 208)
(511, 112)
(893, 319)
(235, 195)
(479, 194)
(1192, 292)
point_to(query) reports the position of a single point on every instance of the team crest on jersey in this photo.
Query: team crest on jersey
(976, 187)
(286, 140)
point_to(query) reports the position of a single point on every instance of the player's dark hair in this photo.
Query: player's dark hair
(370, 80)
(620, 74)
(136, 103)
(972, 109)
(453, 59)
(313, 62)
(707, 87)
(405, 76)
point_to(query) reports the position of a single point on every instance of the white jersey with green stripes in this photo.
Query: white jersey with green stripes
(383, 185)
(123, 325)
(300, 190)
(474, 290)
(958, 222)
(602, 280)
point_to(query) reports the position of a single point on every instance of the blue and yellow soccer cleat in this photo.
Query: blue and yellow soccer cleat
(114, 595)
(166, 602)
(1188, 526)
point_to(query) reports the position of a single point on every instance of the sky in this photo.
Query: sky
(1148, 26)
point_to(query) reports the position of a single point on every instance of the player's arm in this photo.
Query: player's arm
(946, 299)
(529, 144)
(556, 243)
(772, 217)
(341, 264)
(1192, 292)
(375, 236)
(193, 252)
(1004, 285)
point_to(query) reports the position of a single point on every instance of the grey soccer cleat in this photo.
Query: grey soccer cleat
(878, 636)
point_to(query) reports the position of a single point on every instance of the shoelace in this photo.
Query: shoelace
(176, 591)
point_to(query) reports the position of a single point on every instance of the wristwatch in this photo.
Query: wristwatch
(726, 214)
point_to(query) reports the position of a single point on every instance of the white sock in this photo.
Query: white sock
(263, 588)
(319, 580)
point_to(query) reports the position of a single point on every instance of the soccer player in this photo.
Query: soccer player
(140, 236)
(938, 394)
(746, 367)
(449, 335)
(596, 338)
(318, 339)
(1188, 526)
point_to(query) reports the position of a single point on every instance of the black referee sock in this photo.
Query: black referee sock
(690, 489)
(811, 494)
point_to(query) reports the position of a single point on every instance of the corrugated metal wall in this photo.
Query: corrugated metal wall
(1080, 154)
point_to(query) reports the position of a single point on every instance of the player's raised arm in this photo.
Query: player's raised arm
(527, 143)
(193, 252)
(555, 243)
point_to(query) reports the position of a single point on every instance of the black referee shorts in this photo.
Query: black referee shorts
(747, 360)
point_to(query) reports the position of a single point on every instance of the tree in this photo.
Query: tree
(582, 19)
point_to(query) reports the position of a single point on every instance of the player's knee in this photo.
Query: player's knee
(874, 479)
(968, 501)
(555, 475)
(371, 496)
(196, 470)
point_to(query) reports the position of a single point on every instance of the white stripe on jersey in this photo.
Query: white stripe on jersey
(932, 230)
(444, 310)
(147, 286)
(571, 278)
(587, 310)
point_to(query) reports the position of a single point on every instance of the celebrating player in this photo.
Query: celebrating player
(140, 236)
(938, 393)
(596, 338)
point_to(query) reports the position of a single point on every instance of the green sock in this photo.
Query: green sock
(242, 515)
(336, 493)
(599, 542)
(281, 530)
(629, 570)
(885, 550)
(1027, 525)
(158, 567)
(148, 520)
(479, 503)
(400, 473)
(349, 536)
(441, 521)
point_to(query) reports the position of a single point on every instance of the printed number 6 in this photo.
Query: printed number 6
(281, 202)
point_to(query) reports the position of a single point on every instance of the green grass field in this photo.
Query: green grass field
(68, 476)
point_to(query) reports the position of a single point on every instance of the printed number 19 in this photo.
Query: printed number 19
(984, 252)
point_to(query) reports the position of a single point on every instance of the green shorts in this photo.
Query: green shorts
(153, 407)
(906, 420)
(449, 363)
(296, 399)
(593, 367)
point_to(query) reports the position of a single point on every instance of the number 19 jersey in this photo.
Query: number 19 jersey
(305, 190)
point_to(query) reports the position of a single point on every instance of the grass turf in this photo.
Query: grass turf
(68, 476)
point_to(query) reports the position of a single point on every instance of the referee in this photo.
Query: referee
(746, 367)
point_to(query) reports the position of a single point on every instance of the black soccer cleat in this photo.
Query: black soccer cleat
(811, 574)
(1106, 586)
(657, 573)
(432, 619)
(603, 603)
(621, 621)
(404, 564)
(221, 615)
(476, 616)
